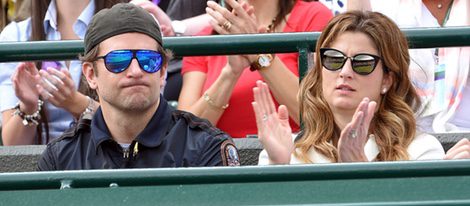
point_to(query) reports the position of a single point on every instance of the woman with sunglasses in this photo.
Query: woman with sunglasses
(218, 87)
(357, 102)
(40, 101)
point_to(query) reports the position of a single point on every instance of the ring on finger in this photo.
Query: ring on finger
(265, 117)
(227, 25)
(353, 134)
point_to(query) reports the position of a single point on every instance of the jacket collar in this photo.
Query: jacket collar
(152, 135)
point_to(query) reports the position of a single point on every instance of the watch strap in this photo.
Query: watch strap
(179, 27)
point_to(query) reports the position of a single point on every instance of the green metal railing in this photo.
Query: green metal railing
(384, 183)
(304, 43)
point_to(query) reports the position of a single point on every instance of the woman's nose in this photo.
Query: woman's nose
(346, 71)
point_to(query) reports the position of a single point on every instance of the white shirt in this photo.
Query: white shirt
(462, 118)
(423, 147)
(441, 97)
(59, 119)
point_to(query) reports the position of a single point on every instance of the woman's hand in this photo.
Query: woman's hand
(274, 131)
(163, 19)
(57, 87)
(240, 21)
(461, 150)
(355, 135)
(24, 80)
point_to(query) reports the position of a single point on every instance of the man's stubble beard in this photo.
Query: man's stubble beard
(132, 103)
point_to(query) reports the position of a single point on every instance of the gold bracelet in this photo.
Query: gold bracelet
(211, 103)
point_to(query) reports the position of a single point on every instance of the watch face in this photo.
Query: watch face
(179, 27)
(264, 61)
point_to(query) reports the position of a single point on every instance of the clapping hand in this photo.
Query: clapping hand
(241, 20)
(355, 135)
(24, 79)
(57, 87)
(461, 150)
(274, 131)
(163, 19)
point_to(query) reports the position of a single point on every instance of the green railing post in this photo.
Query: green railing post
(305, 61)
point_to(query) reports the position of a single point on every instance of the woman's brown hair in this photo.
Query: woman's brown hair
(394, 124)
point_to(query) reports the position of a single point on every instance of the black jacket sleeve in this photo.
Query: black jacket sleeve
(219, 151)
(48, 161)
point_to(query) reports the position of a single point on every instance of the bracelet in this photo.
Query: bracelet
(29, 119)
(211, 103)
(89, 110)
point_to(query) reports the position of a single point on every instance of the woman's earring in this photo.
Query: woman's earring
(384, 90)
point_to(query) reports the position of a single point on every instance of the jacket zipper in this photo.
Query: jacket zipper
(136, 149)
(126, 152)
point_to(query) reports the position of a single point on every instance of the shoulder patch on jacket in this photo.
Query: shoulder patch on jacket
(229, 154)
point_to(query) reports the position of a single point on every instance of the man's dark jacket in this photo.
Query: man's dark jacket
(172, 138)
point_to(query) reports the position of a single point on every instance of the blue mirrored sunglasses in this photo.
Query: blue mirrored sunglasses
(119, 60)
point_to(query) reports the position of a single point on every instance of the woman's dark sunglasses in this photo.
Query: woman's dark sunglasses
(362, 64)
(119, 60)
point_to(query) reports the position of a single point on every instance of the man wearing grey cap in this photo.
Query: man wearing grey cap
(134, 127)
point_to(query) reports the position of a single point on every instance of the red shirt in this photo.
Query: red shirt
(238, 119)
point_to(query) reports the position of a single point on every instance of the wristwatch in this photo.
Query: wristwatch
(179, 27)
(89, 110)
(262, 61)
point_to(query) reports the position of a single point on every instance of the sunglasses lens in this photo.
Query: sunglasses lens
(333, 60)
(363, 64)
(150, 61)
(118, 60)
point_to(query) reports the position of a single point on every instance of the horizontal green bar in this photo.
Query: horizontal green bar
(228, 44)
(419, 191)
(384, 183)
(136, 177)
(441, 37)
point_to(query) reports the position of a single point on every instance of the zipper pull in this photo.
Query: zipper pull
(126, 153)
(136, 149)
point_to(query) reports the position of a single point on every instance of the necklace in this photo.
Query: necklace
(443, 3)
(270, 28)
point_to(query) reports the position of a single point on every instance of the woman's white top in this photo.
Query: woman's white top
(423, 147)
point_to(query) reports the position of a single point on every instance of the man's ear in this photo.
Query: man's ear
(90, 75)
(163, 75)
